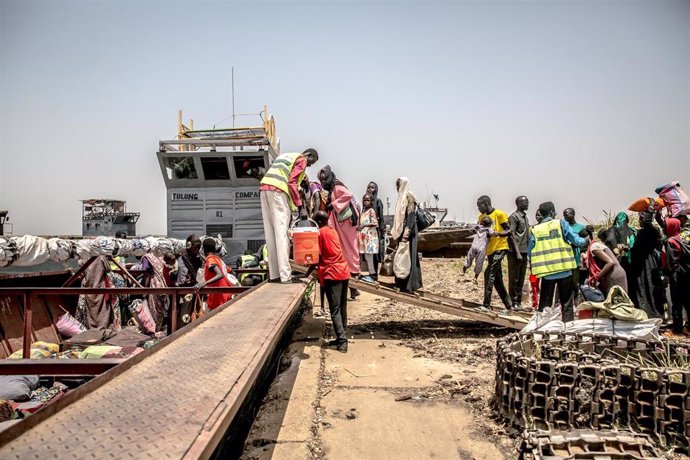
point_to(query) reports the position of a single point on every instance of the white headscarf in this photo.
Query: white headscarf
(401, 207)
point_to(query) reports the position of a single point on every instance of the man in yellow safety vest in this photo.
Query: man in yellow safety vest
(280, 196)
(552, 260)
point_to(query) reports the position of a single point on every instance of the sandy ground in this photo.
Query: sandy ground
(415, 384)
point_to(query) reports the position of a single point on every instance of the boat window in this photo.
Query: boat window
(250, 167)
(215, 168)
(224, 230)
(180, 168)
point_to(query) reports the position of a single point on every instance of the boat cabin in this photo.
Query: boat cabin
(106, 217)
(3, 218)
(212, 180)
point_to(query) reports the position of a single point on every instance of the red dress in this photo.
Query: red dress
(216, 300)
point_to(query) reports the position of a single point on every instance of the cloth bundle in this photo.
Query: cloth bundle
(60, 250)
(17, 387)
(677, 201)
(8, 252)
(30, 250)
(27, 250)
(617, 305)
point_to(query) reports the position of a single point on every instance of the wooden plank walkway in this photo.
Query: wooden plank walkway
(461, 308)
(178, 401)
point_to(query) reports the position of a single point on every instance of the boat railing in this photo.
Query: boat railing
(29, 296)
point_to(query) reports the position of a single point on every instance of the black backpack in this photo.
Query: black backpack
(682, 246)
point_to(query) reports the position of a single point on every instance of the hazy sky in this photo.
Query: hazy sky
(583, 103)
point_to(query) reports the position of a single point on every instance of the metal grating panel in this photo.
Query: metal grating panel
(254, 245)
(159, 407)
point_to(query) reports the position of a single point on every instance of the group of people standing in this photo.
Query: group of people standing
(194, 268)
(562, 255)
(349, 232)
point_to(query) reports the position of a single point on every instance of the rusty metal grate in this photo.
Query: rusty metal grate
(159, 407)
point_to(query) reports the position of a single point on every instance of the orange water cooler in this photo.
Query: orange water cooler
(305, 244)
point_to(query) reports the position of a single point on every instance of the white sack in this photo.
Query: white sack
(31, 250)
(401, 261)
(60, 250)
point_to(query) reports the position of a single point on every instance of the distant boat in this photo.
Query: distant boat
(440, 238)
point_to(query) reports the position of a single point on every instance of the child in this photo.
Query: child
(477, 251)
(215, 275)
(368, 235)
(334, 277)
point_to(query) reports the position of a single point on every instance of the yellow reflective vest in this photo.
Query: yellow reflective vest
(551, 254)
(278, 175)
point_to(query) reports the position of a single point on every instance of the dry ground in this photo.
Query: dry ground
(415, 384)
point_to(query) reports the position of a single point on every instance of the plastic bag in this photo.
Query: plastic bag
(68, 325)
(676, 199)
(401, 261)
(140, 309)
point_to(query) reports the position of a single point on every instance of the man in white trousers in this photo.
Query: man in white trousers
(280, 196)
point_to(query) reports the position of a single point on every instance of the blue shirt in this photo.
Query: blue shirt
(569, 237)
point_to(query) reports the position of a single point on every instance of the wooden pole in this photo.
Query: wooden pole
(79, 272)
(26, 340)
(173, 312)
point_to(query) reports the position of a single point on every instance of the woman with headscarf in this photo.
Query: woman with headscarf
(620, 238)
(405, 230)
(159, 305)
(95, 311)
(315, 198)
(188, 265)
(373, 190)
(343, 216)
(676, 263)
(644, 278)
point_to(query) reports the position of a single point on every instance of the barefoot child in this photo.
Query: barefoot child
(477, 251)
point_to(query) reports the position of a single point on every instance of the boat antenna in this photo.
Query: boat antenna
(233, 96)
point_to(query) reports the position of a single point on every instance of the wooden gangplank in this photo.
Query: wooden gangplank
(457, 307)
(177, 401)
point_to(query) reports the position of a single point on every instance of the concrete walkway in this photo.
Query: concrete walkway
(363, 404)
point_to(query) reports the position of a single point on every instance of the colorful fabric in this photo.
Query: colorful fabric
(341, 198)
(95, 311)
(368, 236)
(98, 351)
(158, 304)
(499, 243)
(44, 394)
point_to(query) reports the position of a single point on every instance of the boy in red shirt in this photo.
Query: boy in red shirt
(334, 276)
